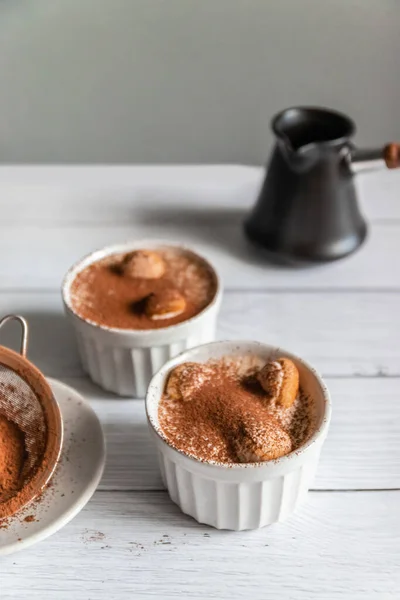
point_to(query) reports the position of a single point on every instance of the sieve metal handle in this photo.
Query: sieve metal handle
(24, 326)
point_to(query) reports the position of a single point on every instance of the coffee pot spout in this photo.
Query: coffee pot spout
(366, 159)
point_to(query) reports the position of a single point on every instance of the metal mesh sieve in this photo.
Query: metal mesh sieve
(27, 401)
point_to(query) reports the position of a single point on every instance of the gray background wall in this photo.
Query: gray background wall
(188, 80)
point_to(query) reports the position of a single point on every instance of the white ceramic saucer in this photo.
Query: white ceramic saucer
(74, 482)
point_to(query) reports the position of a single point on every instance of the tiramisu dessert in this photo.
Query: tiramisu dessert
(143, 289)
(236, 409)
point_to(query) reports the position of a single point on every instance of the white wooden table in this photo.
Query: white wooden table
(131, 541)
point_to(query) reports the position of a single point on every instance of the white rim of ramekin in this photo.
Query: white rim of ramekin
(320, 432)
(105, 251)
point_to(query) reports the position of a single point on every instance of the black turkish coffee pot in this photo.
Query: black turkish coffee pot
(307, 210)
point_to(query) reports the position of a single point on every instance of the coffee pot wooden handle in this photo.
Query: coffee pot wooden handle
(367, 159)
(391, 155)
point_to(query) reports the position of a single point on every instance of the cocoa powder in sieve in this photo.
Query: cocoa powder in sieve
(16, 490)
(12, 458)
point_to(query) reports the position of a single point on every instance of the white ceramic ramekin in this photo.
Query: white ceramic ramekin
(239, 496)
(124, 360)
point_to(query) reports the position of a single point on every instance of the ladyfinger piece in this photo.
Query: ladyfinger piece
(257, 442)
(185, 380)
(280, 380)
(165, 304)
(144, 264)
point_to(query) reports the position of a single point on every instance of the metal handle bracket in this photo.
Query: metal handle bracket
(24, 327)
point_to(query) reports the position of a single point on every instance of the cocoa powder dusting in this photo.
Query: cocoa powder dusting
(29, 518)
(106, 295)
(231, 411)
